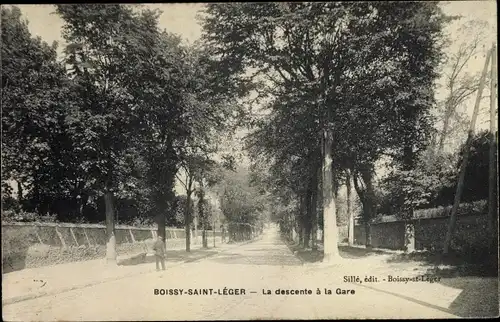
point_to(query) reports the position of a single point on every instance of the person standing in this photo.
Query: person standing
(160, 253)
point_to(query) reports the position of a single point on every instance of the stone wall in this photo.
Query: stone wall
(429, 234)
(389, 235)
(359, 235)
(29, 245)
(470, 233)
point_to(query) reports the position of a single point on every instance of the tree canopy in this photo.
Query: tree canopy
(363, 71)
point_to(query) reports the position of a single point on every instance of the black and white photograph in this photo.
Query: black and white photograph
(249, 161)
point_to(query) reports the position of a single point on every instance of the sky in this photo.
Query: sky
(180, 18)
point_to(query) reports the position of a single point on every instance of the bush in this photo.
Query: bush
(477, 171)
(405, 190)
(473, 208)
(141, 222)
(432, 182)
(22, 216)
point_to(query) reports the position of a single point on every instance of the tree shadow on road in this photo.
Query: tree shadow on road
(477, 281)
(308, 255)
(359, 252)
(476, 276)
(172, 256)
(452, 265)
(479, 296)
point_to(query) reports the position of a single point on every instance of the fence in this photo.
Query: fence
(27, 245)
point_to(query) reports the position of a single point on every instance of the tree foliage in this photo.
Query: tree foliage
(364, 71)
(432, 183)
(37, 148)
(460, 84)
(240, 202)
(128, 107)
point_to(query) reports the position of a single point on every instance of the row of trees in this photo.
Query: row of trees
(342, 85)
(346, 83)
(110, 126)
(244, 208)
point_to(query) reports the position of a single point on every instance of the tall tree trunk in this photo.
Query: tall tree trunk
(336, 198)
(367, 176)
(300, 221)
(110, 228)
(187, 220)
(195, 224)
(492, 188)
(20, 194)
(368, 235)
(161, 225)
(164, 202)
(83, 203)
(408, 165)
(350, 214)
(460, 184)
(314, 209)
(444, 132)
(308, 218)
(330, 231)
(201, 215)
(366, 196)
(336, 188)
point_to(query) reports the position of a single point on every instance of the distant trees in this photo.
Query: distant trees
(243, 207)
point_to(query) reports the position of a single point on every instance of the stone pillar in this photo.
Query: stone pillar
(409, 237)
(204, 239)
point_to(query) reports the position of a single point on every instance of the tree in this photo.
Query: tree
(210, 112)
(463, 165)
(476, 173)
(37, 149)
(160, 84)
(460, 84)
(344, 65)
(179, 210)
(193, 167)
(293, 151)
(104, 41)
